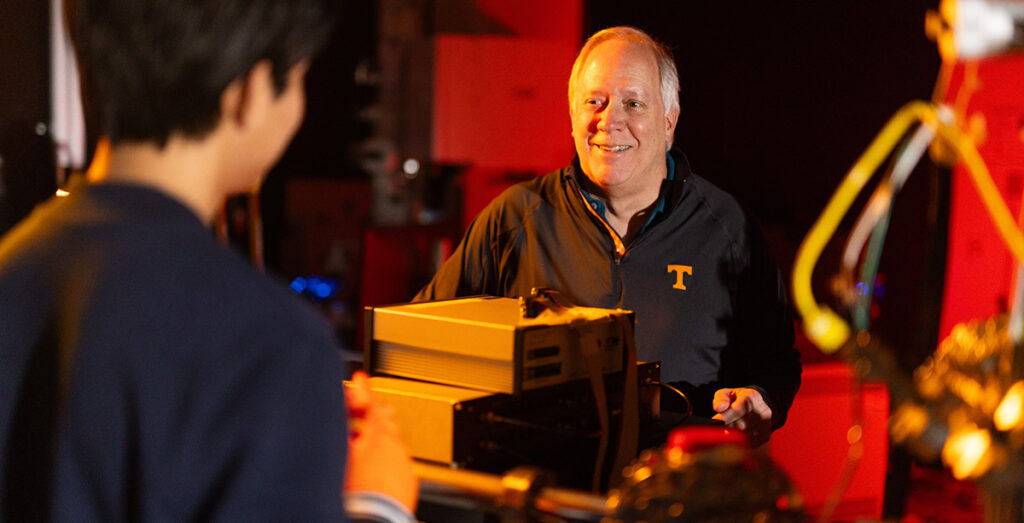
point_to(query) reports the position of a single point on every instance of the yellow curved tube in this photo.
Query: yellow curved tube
(823, 326)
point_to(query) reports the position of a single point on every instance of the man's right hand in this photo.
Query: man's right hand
(745, 409)
(378, 460)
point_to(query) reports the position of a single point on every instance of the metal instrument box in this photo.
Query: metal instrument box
(485, 343)
(555, 427)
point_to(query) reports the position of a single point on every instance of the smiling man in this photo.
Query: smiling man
(629, 225)
(621, 127)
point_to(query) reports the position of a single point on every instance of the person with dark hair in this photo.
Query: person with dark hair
(146, 371)
(628, 225)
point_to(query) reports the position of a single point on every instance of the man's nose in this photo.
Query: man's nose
(612, 118)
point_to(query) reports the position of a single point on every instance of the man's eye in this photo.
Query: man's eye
(592, 102)
(633, 104)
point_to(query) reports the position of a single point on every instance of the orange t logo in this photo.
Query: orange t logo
(680, 270)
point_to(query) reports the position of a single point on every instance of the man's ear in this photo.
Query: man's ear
(243, 98)
(670, 124)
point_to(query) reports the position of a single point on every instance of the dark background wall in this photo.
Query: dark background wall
(24, 61)
(27, 173)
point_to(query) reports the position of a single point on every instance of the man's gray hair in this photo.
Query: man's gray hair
(666, 65)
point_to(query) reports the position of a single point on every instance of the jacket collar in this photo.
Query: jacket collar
(671, 189)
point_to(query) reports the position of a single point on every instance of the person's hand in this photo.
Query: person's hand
(744, 409)
(378, 460)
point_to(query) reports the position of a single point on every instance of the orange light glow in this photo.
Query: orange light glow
(641, 474)
(1009, 412)
(909, 421)
(100, 161)
(967, 453)
(854, 434)
(514, 483)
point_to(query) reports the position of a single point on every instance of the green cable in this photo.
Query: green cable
(862, 308)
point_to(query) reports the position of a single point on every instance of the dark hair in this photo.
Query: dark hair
(152, 68)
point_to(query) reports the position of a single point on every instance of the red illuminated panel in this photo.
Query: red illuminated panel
(813, 445)
(979, 272)
(558, 19)
(502, 102)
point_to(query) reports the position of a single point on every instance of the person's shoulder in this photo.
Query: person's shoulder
(719, 202)
(530, 192)
(223, 309)
(699, 193)
(170, 274)
(35, 231)
(721, 210)
(521, 200)
(260, 302)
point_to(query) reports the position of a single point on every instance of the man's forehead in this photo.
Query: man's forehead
(614, 48)
(619, 58)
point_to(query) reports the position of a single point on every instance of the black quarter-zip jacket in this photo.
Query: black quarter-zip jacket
(709, 301)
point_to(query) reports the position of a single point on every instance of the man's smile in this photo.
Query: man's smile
(613, 148)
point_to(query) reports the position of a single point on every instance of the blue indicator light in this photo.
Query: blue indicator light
(316, 288)
(878, 290)
(322, 290)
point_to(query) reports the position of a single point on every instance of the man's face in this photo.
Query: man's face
(619, 123)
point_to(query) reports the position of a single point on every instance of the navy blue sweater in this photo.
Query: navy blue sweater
(146, 372)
